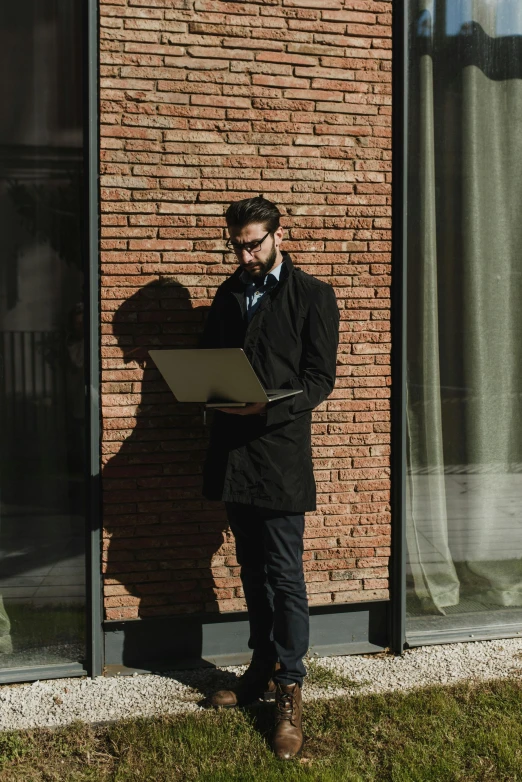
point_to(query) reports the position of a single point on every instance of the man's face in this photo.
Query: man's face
(256, 260)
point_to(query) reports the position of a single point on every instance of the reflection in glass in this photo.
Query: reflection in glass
(496, 17)
(464, 388)
(42, 376)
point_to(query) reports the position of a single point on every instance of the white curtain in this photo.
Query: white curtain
(464, 503)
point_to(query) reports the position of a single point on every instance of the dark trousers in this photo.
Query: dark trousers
(269, 549)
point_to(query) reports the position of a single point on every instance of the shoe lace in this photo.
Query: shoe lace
(284, 705)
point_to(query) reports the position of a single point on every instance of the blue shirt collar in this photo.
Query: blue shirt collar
(276, 273)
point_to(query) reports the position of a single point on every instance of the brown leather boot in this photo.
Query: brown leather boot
(255, 683)
(288, 740)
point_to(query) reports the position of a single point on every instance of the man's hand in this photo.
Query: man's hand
(256, 409)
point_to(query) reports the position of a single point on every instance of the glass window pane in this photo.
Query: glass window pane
(42, 375)
(464, 356)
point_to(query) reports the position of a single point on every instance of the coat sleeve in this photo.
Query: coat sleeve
(316, 378)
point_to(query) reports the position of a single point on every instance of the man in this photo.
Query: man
(259, 460)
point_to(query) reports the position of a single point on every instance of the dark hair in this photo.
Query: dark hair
(253, 210)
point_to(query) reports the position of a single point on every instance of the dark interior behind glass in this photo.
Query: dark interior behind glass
(42, 370)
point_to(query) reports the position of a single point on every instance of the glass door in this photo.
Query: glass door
(464, 351)
(42, 371)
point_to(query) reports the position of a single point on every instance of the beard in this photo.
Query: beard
(262, 268)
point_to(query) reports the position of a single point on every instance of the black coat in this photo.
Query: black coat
(291, 342)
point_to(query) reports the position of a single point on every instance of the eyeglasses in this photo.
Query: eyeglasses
(250, 247)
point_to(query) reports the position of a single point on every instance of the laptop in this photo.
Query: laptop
(221, 377)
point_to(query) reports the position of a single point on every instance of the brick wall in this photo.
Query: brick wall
(204, 102)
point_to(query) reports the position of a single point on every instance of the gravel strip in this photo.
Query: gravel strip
(62, 701)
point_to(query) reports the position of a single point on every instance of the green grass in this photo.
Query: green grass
(458, 734)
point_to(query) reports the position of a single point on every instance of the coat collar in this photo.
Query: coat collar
(237, 287)
(275, 274)
(238, 283)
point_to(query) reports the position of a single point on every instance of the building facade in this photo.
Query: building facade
(135, 123)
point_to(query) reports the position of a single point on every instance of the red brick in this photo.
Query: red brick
(201, 106)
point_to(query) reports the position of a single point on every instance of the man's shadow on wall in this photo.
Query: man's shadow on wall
(162, 536)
